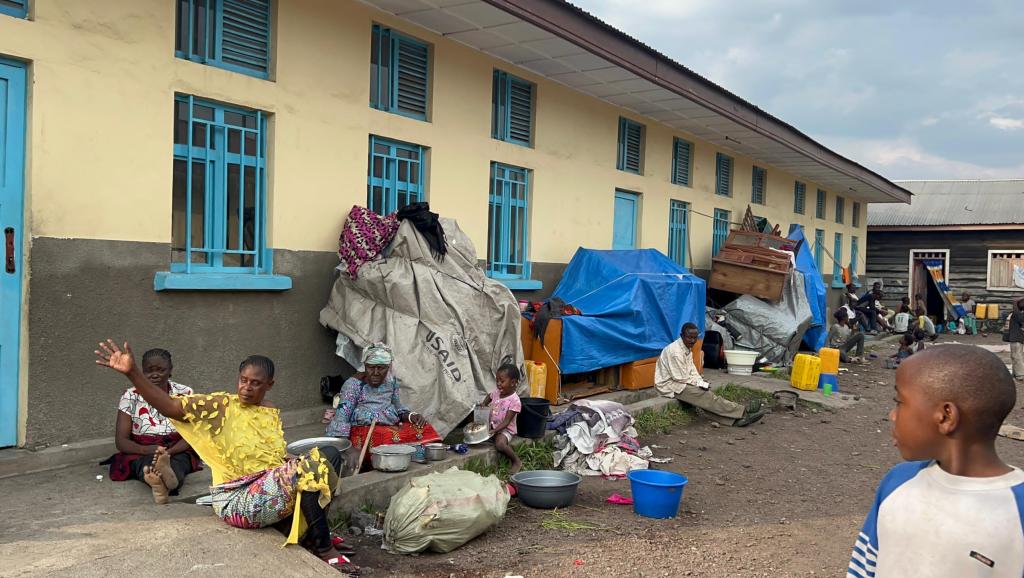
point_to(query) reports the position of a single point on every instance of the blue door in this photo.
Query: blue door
(624, 232)
(12, 174)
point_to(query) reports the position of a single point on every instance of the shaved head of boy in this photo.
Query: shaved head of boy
(950, 402)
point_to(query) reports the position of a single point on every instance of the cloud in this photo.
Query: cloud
(930, 85)
(1003, 123)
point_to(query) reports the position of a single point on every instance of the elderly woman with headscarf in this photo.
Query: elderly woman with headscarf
(373, 395)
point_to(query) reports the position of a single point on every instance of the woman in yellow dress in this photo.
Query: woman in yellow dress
(240, 437)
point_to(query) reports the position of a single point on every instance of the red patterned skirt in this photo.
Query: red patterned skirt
(403, 433)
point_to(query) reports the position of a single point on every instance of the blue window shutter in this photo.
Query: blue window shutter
(508, 223)
(678, 218)
(229, 34)
(682, 157)
(394, 176)
(819, 249)
(631, 138)
(411, 76)
(723, 175)
(720, 233)
(512, 109)
(837, 261)
(245, 34)
(819, 207)
(799, 197)
(16, 8)
(758, 177)
(854, 255)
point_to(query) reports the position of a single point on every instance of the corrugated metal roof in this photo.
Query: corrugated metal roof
(980, 202)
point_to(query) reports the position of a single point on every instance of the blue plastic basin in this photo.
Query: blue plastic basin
(656, 494)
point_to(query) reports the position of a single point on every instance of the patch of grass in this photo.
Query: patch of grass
(340, 521)
(661, 421)
(556, 520)
(741, 395)
(535, 456)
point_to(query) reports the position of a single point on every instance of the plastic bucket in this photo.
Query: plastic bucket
(656, 494)
(532, 422)
(739, 361)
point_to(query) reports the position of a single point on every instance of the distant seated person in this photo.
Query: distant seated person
(372, 395)
(149, 449)
(901, 321)
(844, 338)
(970, 321)
(925, 323)
(676, 376)
(906, 347)
(866, 306)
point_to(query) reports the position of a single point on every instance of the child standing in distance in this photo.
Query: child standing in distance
(954, 508)
(1015, 337)
(505, 406)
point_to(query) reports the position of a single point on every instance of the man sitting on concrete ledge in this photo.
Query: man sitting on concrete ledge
(676, 376)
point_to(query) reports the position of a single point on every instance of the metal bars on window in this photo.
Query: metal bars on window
(631, 144)
(723, 175)
(219, 201)
(508, 222)
(399, 73)
(819, 206)
(819, 248)
(837, 261)
(799, 197)
(758, 178)
(512, 109)
(231, 34)
(678, 218)
(720, 231)
(855, 217)
(395, 175)
(840, 206)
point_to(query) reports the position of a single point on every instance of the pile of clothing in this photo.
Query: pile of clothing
(597, 438)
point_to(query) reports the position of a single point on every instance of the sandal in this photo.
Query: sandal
(343, 564)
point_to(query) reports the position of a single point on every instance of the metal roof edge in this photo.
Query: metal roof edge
(959, 180)
(583, 29)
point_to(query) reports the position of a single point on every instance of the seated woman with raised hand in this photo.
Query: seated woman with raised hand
(373, 395)
(239, 436)
(149, 449)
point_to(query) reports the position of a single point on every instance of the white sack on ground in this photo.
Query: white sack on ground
(449, 325)
(442, 511)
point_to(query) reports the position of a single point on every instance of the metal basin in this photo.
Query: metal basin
(300, 447)
(547, 488)
(436, 452)
(474, 434)
(392, 457)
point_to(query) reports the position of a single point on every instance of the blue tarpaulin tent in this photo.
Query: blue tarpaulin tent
(634, 302)
(814, 287)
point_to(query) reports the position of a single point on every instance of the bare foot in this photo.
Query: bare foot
(156, 483)
(162, 462)
(516, 466)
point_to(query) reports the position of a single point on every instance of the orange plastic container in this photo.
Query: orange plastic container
(537, 374)
(993, 311)
(829, 360)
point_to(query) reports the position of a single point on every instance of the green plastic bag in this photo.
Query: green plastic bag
(443, 511)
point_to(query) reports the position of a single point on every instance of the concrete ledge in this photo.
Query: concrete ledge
(770, 385)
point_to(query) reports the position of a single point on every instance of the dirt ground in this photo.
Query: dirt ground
(784, 497)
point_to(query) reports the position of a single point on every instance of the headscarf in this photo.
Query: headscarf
(378, 354)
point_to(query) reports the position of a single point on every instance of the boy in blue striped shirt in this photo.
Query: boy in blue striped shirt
(954, 508)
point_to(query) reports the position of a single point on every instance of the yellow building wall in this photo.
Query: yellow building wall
(104, 76)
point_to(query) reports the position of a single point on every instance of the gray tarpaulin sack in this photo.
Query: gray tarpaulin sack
(442, 511)
(449, 325)
(774, 329)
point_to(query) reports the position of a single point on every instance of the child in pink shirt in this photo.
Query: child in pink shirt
(505, 406)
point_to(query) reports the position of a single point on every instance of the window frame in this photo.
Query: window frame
(622, 161)
(215, 10)
(820, 202)
(754, 172)
(391, 187)
(840, 210)
(988, 269)
(678, 230)
(218, 158)
(837, 261)
(15, 11)
(721, 158)
(502, 108)
(855, 214)
(395, 40)
(799, 198)
(686, 180)
(819, 250)
(854, 257)
(508, 204)
(719, 230)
